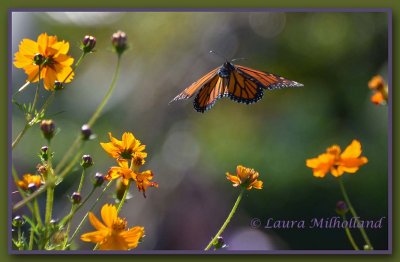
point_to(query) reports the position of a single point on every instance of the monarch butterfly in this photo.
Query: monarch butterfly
(239, 83)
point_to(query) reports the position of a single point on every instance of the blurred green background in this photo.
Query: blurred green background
(333, 54)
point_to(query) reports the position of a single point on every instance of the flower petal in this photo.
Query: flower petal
(95, 222)
(352, 151)
(109, 215)
(95, 236)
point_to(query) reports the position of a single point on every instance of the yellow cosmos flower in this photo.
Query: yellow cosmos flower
(245, 177)
(55, 63)
(125, 148)
(113, 233)
(338, 162)
(29, 180)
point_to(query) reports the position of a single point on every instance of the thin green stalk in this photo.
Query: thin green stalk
(36, 213)
(31, 238)
(50, 179)
(228, 219)
(28, 116)
(73, 210)
(121, 203)
(92, 119)
(349, 236)
(353, 212)
(107, 96)
(21, 247)
(20, 135)
(90, 209)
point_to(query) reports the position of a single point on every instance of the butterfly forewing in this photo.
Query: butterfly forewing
(193, 88)
(267, 80)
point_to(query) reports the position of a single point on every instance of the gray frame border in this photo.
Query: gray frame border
(221, 252)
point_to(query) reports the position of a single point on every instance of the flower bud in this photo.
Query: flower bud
(119, 42)
(43, 153)
(88, 43)
(341, 208)
(86, 132)
(368, 247)
(48, 128)
(98, 179)
(38, 59)
(58, 85)
(87, 161)
(32, 187)
(18, 221)
(219, 243)
(76, 198)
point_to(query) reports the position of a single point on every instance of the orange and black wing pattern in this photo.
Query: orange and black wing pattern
(239, 83)
(266, 80)
(193, 88)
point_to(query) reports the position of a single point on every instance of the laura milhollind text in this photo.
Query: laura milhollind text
(328, 222)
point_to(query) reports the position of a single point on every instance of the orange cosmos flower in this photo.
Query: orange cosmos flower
(143, 181)
(50, 54)
(113, 233)
(245, 177)
(380, 90)
(338, 162)
(125, 148)
(28, 181)
(122, 171)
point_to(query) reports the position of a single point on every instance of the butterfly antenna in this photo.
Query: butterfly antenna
(241, 58)
(215, 53)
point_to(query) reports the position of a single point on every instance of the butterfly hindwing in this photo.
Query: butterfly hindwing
(210, 93)
(242, 89)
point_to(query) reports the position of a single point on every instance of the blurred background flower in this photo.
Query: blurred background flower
(333, 54)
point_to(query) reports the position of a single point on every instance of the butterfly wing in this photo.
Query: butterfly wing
(242, 89)
(193, 88)
(266, 80)
(210, 93)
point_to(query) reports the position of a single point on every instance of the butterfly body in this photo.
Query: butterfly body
(239, 83)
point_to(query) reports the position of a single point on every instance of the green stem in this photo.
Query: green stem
(73, 210)
(93, 118)
(121, 203)
(90, 209)
(353, 212)
(21, 247)
(107, 96)
(349, 236)
(50, 179)
(20, 135)
(31, 238)
(36, 213)
(228, 219)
